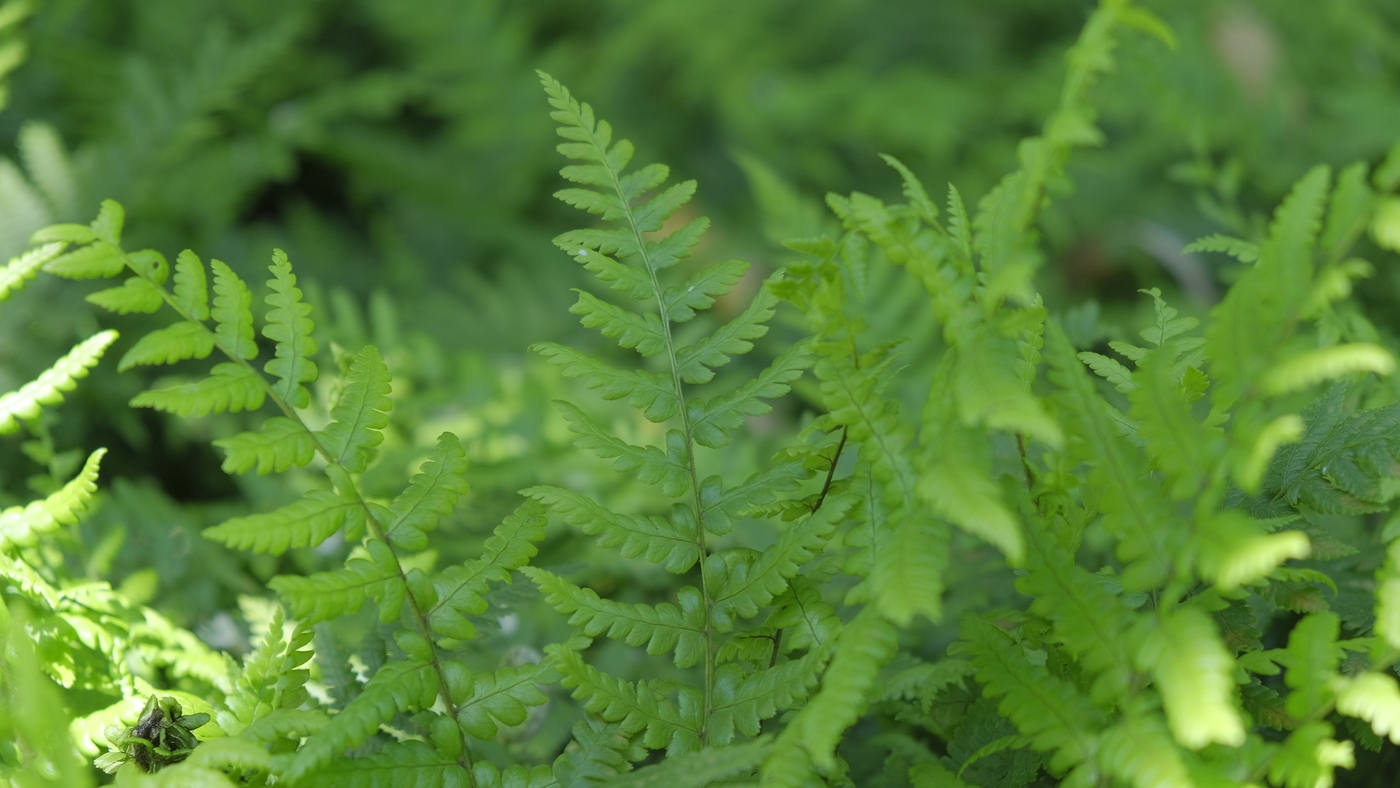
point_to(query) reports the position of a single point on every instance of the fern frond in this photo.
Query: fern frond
(1182, 447)
(989, 389)
(191, 286)
(397, 687)
(662, 628)
(739, 587)
(1341, 462)
(1257, 310)
(1089, 621)
(360, 413)
(864, 646)
(25, 267)
(273, 676)
(807, 620)
(461, 589)
(643, 332)
(486, 775)
(432, 493)
(699, 292)
(1244, 251)
(232, 313)
(743, 700)
(1044, 707)
(325, 595)
(289, 325)
(305, 523)
(48, 388)
(1309, 756)
(658, 540)
(1375, 698)
(695, 363)
(1311, 662)
(135, 295)
(719, 505)
(97, 260)
(285, 723)
(649, 392)
(697, 770)
(713, 422)
(21, 525)
(501, 698)
(636, 707)
(599, 753)
(1196, 677)
(957, 482)
(1139, 752)
(279, 445)
(1314, 366)
(403, 764)
(176, 342)
(1136, 509)
(229, 388)
(669, 469)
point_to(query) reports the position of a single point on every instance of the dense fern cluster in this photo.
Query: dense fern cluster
(1178, 523)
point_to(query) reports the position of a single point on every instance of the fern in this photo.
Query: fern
(48, 388)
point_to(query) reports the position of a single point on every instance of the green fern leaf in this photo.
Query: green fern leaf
(403, 764)
(48, 388)
(306, 523)
(958, 483)
(135, 295)
(501, 698)
(1309, 756)
(695, 363)
(325, 595)
(23, 268)
(740, 587)
(229, 388)
(1352, 203)
(281, 724)
(1136, 509)
(168, 345)
(864, 646)
(397, 687)
(662, 628)
(1044, 707)
(432, 493)
(108, 224)
(743, 700)
(273, 676)
(98, 260)
(279, 445)
(599, 753)
(699, 292)
(1184, 448)
(1311, 662)
(1088, 620)
(289, 325)
(713, 423)
(646, 391)
(697, 770)
(1259, 309)
(461, 589)
(1375, 698)
(656, 539)
(631, 330)
(1244, 251)
(360, 413)
(229, 753)
(636, 707)
(1139, 752)
(648, 463)
(1314, 366)
(191, 287)
(1110, 370)
(591, 247)
(486, 775)
(1342, 462)
(720, 505)
(989, 391)
(21, 525)
(1195, 675)
(232, 313)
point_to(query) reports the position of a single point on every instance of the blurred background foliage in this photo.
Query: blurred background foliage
(401, 152)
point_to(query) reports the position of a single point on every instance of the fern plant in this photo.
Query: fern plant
(263, 709)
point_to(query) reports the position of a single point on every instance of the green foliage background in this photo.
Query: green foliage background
(401, 155)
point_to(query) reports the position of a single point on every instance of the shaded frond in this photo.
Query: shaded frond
(20, 525)
(279, 445)
(48, 388)
(500, 698)
(289, 326)
(306, 523)
(648, 463)
(461, 589)
(325, 595)
(662, 628)
(658, 540)
(1195, 675)
(640, 707)
(360, 413)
